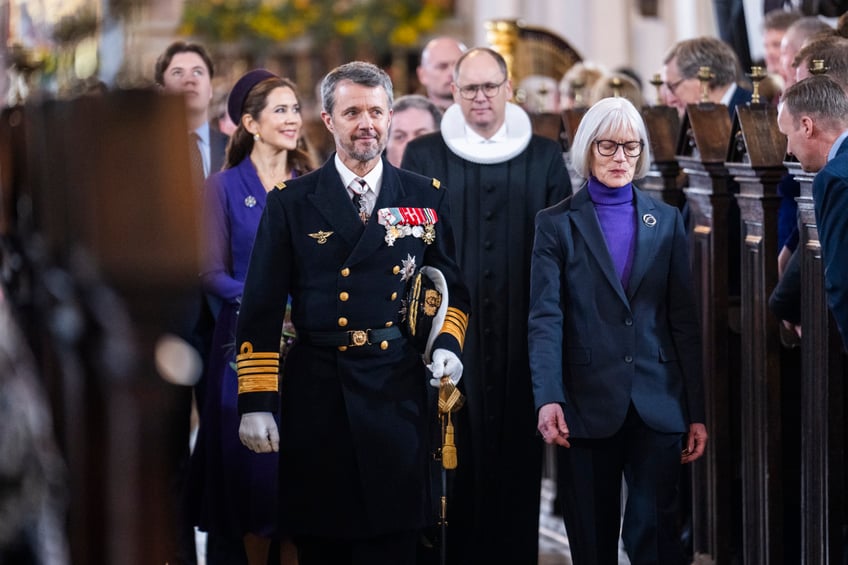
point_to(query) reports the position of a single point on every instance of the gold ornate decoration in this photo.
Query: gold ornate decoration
(657, 81)
(817, 67)
(756, 75)
(705, 75)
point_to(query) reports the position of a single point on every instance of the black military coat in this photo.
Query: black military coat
(353, 447)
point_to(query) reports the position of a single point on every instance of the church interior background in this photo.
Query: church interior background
(64, 46)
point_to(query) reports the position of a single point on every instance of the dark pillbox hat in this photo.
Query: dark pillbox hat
(235, 102)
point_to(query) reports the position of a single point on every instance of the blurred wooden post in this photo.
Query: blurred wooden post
(755, 160)
(701, 153)
(823, 495)
(113, 201)
(665, 180)
(571, 121)
(549, 125)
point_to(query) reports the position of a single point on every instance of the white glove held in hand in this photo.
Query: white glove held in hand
(445, 363)
(258, 432)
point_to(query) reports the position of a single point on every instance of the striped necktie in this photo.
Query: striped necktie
(195, 158)
(359, 187)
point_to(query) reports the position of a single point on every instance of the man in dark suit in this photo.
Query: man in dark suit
(499, 175)
(343, 241)
(186, 69)
(680, 74)
(814, 118)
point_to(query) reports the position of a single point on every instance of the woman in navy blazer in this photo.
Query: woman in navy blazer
(615, 347)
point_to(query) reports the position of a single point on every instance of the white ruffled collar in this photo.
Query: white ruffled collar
(518, 128)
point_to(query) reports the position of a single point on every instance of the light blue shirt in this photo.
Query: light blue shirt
(204, 146)
(836, 145)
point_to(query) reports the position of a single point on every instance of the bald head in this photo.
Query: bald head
(435, 72)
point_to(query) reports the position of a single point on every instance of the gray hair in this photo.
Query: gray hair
(494, 54)
(819, 97)
(692, 54)
(357, 72)
(833, 50)
(605, 117)
(421, 103)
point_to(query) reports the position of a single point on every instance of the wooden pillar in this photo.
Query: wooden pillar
(665, 180)
(116, 214)
(702, 152)
(756, 163)
(823, 422)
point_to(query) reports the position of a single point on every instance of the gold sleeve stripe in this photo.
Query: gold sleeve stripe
(257, 356)
(258, 363)
(456, 324)
(258, 383)
(258, 371)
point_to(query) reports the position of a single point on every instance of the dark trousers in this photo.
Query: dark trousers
(392, 549)
(589, 485)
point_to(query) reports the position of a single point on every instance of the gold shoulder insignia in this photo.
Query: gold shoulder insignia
(436, 184)
(280, 185)
(321, 236)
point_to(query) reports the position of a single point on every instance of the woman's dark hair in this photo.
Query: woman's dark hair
(241, 142)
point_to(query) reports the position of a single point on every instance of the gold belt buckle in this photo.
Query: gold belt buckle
(358, 337)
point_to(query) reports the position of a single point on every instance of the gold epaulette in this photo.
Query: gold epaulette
(280, 185)
(456, 324)
(257, 372)
(437, 184)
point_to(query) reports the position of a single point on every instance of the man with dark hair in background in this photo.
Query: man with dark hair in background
(412, 117)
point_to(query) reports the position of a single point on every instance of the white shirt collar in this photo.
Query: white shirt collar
(473, 137)
(512, 138)
(728, 94)
(374, 178)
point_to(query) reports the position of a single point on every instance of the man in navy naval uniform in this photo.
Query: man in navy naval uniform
(343, 241)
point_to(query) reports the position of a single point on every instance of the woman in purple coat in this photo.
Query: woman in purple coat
(237, 488)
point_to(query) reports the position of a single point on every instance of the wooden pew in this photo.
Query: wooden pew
(665, 180)
(702, 152)
(755, 159)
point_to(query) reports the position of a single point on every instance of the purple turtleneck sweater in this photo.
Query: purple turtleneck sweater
(615, 210)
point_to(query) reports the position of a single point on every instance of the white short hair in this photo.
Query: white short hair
(605, 117)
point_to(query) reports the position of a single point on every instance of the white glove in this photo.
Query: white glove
(258, 432)
(445, 363)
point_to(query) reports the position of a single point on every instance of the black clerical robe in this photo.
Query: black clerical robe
(494, 503)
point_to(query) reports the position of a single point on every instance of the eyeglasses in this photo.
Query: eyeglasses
(489, 89)
(608, 147)
(671, 86)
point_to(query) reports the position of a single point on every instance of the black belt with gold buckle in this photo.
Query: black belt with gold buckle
(350, 338)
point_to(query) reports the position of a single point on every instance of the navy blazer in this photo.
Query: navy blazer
(830, 197)
(740, 97)
(217, 149)
(595, 346)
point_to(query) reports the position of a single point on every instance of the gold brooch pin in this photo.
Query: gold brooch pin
(321, 236)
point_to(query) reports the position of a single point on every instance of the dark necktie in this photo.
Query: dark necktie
(359, 199)
(195, 158)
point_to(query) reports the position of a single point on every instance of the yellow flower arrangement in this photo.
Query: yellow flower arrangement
(375, 26)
